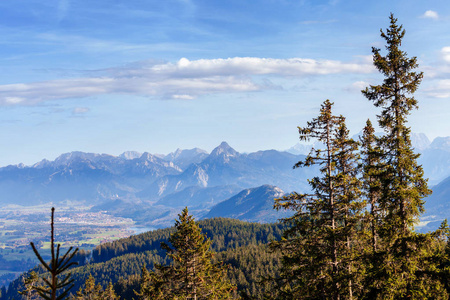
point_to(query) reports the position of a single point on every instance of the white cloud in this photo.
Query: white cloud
(430, 14)
(441, 89)
(184, 79)
(260, 66)
(183, 97)
(445, 52)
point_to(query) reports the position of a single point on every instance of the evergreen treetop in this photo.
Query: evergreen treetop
(192, 274)
(395, 181)
(319, 247)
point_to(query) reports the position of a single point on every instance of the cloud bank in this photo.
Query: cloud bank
(184, 79)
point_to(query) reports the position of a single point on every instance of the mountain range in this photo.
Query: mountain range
(152, 188)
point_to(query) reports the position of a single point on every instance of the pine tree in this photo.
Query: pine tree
(91, 291)
(319, 247)
(109, 293)
(371, 168)
(192, 275)
(56, 287)
(348, 190)
(31, 282)
(399, 266)
(441, 255)
(151, 285)
(371, 164)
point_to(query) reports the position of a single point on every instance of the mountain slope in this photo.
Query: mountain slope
(252, 205)
(438, 203)
(435, 160)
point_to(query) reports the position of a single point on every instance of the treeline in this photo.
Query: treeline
(224, 234)
(240, 245)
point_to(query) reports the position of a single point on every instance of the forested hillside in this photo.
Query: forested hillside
(241, 245)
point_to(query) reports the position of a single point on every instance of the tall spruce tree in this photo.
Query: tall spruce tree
(192, 274)
(348, 188)
(399, 269)
(318, 246)
(371, 165)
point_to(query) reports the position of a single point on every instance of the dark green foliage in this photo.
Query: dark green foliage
(248, 266)
(371, 159)
(151, 287)
(134, 244)
(400, 264)
(191, 273)
(91, 291)
(403, 183)
(109, 292)
(319, 248)
(56, 287)
(127, 287)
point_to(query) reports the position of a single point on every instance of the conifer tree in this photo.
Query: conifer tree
(441, 254)
(57, 286)
(192, 274)
(31, 282)
(399, 264)
(91, 291)
(318, 247)
(371, 159)
(348, 190)
(109, 292)
(151, 285)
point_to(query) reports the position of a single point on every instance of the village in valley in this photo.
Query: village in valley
(75, 226)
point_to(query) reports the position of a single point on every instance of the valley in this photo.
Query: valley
(75, 226)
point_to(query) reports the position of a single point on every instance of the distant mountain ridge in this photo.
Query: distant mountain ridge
(133, 184)
(225, 166)
(435, 155)
(152, 188)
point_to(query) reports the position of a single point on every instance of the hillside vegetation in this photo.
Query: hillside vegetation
(241, 245)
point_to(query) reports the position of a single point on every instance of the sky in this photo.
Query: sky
(152, 76)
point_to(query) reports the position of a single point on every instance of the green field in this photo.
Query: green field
(75, 226)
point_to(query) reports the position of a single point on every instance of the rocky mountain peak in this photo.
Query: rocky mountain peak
(128, 155)
(66, 158)
(420, 141)
(224, 149)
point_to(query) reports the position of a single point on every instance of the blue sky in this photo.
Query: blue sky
(110, 76)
